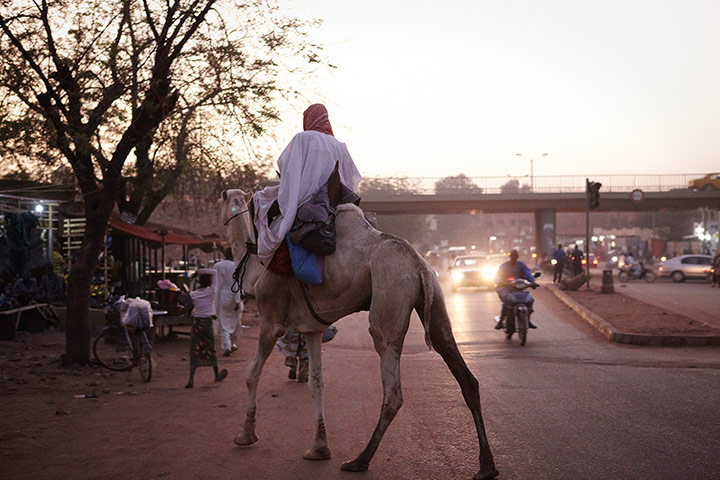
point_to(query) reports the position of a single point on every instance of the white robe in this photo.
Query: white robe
(305, 165)
(225, 301)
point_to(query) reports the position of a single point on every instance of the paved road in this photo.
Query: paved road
(568, 405)
(695, 299)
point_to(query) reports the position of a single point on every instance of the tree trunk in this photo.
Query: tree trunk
(77, 320)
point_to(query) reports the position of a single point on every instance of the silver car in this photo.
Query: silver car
(686, 266)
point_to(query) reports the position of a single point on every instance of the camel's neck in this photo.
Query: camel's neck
(240, 233)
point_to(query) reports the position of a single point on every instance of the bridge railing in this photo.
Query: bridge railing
(523, 184)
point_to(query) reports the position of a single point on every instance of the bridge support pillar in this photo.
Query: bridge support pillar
(545, 232)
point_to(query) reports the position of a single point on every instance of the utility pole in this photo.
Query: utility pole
(587, 232)
(592, 201)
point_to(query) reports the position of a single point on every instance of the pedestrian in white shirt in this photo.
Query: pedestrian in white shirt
(202, 339)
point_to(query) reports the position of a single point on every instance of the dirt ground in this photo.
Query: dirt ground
(39, 397)
(46, 431)
(630, 315)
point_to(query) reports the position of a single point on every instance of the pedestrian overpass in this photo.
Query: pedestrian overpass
(546, 197)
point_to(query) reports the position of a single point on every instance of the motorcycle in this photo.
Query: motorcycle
(629, 272)
(516, 316)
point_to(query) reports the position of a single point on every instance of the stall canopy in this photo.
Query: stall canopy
(152, 235)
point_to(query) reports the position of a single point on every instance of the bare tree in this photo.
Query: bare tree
(91, 81)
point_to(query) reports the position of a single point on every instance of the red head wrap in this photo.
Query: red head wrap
(316, 118)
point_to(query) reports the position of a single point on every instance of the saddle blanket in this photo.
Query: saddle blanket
(308, 267)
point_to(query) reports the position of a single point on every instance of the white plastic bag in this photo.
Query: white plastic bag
(138, 314)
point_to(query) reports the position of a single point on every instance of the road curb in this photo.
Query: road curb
(612, 334)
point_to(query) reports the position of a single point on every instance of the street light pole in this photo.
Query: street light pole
(532, 173)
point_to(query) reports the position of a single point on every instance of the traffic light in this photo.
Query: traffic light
(593, 194)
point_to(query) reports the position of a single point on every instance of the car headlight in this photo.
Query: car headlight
(489, 273)
(457, 276)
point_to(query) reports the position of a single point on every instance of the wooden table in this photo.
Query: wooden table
(37, 315)
(161, 319)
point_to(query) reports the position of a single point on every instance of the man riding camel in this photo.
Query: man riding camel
(304, 167)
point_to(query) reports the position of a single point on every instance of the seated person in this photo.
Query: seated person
(52, 286)
(304, 167)
(25, 289)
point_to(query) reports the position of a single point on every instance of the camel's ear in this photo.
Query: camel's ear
(224, 195)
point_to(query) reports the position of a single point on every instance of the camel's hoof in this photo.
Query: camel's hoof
(243, 440)
(322, 453)
(354, 466)
(485, 475)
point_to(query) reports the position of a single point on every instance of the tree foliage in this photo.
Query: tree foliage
(513, 186)
(230, 66)
(458, 229)
(457, 184)
(176, 82)
(413, 228)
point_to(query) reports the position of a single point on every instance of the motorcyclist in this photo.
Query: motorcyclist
(512, 269)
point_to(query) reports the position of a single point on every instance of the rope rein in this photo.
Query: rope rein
(239, 213)
(239, 273)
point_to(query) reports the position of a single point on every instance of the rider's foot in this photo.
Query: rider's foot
(531, 324)
(189, 385)
(498, 323)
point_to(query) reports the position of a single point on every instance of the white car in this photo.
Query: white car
(686, 266)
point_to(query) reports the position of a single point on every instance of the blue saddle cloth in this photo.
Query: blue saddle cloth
(308, 267)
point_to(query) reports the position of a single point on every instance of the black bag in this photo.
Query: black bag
(321, 240)
(186, 301)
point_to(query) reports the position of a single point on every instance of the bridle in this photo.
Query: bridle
(239, 213)
(239, 273)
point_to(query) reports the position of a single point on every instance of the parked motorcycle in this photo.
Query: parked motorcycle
(638, 271)
(516, 316)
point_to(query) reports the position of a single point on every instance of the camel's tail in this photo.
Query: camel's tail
(427, 277)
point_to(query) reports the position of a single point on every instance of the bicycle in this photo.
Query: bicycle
(119, 349)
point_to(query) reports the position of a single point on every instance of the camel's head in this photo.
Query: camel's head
(232, 203)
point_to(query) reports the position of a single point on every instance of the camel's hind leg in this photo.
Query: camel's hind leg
(319, 450)
(269, 333)
(443, 342)
(388, 332)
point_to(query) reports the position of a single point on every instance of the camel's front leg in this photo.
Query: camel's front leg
(319, 450)
(269, 333)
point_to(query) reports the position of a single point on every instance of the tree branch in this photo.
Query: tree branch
(32, 64)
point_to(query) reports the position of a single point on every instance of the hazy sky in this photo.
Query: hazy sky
(430, 88)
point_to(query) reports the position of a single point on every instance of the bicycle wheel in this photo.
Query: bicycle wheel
(112, 351)
(143, 360)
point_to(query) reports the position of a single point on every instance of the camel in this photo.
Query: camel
(370, 270)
